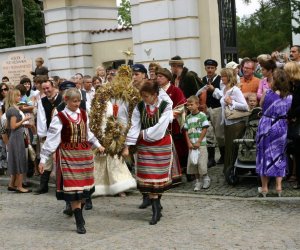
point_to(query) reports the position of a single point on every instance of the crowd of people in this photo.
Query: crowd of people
(93, 131)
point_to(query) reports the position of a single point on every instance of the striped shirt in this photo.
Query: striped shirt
(194, 124)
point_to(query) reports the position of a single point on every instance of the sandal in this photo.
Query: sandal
(11, 188)
(262, 193)
(279, 193)
(23, 192)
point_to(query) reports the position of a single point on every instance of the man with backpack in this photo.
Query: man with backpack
(187, 81)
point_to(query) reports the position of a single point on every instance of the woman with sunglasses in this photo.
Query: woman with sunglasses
(3, 92)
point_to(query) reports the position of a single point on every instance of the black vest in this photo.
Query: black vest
(49, 107)
(212, 102)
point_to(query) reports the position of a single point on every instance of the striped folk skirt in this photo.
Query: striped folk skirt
(75, 171)
(153, 170)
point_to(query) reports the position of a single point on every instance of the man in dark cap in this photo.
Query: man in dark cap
(186, 80)
(214, 110)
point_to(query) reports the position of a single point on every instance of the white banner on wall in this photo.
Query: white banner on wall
(16, 66)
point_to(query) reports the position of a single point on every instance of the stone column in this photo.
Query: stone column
(209, 32)
(166, 28)
(68, 26)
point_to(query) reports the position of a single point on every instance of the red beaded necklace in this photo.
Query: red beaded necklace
(149, 112)
(77, 120)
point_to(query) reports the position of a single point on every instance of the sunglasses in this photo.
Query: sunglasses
(6, 89)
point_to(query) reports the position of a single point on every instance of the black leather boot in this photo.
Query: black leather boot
(79, 221)
(222, 153)
(156, 212)
(146, 202)
(88, 204)
(211, 157)
(159, 198)
(44, 180)
(68, 210)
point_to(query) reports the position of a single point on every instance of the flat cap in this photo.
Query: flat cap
(66, 85)
(165, 72)
(139, 68)
(210, 62)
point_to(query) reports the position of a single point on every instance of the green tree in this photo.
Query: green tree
(33, 23)
(124, 13)
(268, 29)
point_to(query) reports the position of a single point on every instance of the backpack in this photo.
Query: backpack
(197, 78)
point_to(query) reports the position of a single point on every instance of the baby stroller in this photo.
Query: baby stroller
(245, 164)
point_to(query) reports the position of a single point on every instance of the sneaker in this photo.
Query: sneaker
(206, 182)
(198, 186)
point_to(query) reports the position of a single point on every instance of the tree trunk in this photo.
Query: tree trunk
(18, 13)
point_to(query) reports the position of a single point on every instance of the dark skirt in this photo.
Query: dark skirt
(232, 132)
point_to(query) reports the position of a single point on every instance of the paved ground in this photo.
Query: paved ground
(222, 217)
(189, 222)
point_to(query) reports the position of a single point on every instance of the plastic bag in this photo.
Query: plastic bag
(31, 153)
(194, 156)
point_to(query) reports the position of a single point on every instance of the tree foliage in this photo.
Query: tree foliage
(268, 29)
(124, 13)
(33, 23)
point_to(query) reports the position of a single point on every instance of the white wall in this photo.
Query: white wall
(166, 29)
(30, 52)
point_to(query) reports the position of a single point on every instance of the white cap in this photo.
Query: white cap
(231, 65)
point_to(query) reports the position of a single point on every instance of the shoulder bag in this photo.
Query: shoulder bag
(235, 114)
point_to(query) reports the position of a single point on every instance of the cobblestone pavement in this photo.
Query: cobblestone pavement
(189, 222)
(246, 187)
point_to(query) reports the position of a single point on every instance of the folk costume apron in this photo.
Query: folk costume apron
(154, 159)
(75, 162)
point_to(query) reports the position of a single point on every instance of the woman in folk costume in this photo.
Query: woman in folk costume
(149, 131)
(70, 136)
(164, 76)
(110, 116)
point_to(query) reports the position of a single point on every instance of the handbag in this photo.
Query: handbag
(294, 130)
(31, 152)
(235, 114)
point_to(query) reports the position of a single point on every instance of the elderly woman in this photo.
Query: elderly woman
(233, 99)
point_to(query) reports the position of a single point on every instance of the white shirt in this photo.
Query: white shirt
(238, 102)
(41, 120)
(165, 97)
(151, 134)
(89, 97)
(54, 135)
